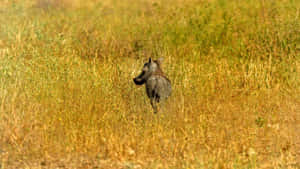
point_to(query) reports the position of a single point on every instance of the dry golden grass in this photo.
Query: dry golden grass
(68, 99)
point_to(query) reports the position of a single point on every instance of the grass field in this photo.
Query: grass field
(67, 99)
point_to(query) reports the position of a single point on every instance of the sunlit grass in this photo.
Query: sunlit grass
(68, 99)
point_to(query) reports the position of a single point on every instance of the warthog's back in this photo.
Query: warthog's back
(158, 87)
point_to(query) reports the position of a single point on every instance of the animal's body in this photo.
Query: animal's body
(158, 86)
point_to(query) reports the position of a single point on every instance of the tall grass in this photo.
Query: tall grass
(68, 99)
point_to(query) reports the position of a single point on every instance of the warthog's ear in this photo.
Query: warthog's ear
(160, 60)
(150, 60)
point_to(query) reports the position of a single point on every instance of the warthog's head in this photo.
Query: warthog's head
(150, 67)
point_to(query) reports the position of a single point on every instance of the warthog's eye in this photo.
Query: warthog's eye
(145, 68)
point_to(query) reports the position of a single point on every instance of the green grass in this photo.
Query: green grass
(67, 97)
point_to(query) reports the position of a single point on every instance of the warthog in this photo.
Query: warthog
(158, 86)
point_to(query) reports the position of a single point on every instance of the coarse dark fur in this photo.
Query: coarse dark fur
(158, 86)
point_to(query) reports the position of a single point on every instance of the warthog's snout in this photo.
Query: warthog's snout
(138, 81)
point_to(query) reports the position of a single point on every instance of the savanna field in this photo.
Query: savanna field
(67, 98)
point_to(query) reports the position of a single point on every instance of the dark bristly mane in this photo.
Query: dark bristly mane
(158, 70)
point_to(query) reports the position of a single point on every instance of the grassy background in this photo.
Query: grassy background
(67, 98)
